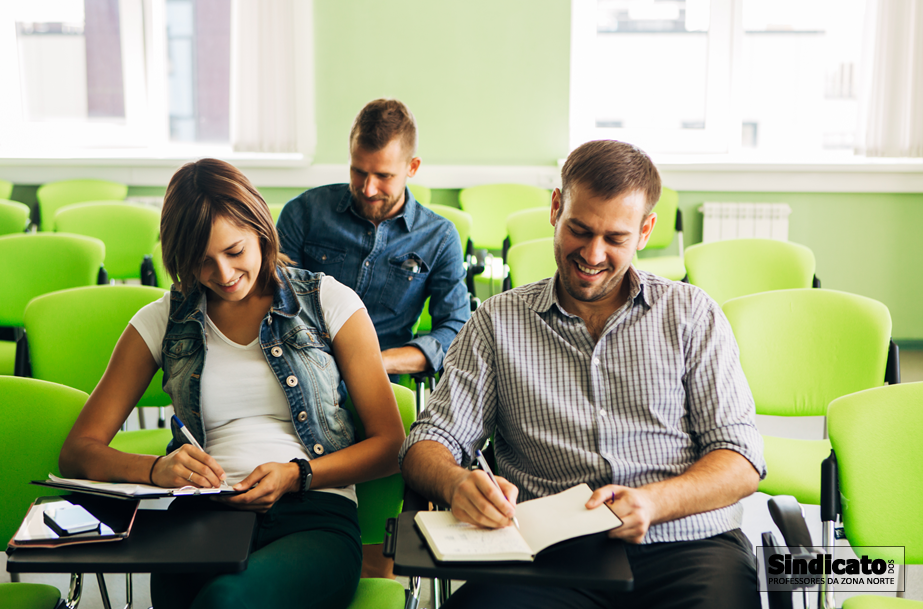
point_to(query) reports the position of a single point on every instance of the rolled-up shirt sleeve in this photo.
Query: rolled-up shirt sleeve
(461, 413)
(719, 400)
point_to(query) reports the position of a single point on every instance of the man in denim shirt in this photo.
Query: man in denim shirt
(373, 236)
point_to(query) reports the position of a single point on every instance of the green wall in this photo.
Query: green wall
(487, 80)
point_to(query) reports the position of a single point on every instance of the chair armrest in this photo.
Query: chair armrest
(787, 514)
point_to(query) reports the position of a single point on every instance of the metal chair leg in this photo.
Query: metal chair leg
(74, 592)
(413, 599)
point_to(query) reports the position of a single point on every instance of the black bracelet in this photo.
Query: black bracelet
(150, 475)
(305, 475)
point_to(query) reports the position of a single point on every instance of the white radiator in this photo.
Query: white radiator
(745, 220)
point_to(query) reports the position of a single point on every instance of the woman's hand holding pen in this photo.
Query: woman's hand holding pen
(267, 483)
(187, 466)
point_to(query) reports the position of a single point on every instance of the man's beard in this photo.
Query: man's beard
(378, 210)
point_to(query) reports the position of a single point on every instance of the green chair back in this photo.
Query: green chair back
(14, 217)
(72, 334)
(274, 210)
(28, 596)
(160, 271)
(665, 228)
(800, 349)
(876, 436)
(129, 232)
(383, 498)
(37, 416)
(32, 265)
(423, 194)
(6, 189)
(529, 224)
(55, 195)
(462, 220)
(738, 267)
(531, 261)
(491, 204)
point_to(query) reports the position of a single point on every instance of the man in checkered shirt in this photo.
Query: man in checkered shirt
(606, 375)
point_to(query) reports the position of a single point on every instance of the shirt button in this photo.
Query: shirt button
(602, 413)
(302, 416)
(323, 257)
(318, 449)
(366, 263)
(276, 351)
(292, 381)
(368, 233)
(595, 361)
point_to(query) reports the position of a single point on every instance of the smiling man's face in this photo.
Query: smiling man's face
(595, 240)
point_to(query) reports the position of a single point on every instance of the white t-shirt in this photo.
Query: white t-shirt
(247, 418)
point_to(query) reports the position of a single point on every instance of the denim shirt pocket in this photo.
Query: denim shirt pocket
(322, 258)
(404, 288)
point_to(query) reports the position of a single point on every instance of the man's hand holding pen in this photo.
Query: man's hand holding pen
(480, 498)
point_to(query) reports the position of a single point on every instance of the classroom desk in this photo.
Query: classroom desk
(594, 561)
(161, 541)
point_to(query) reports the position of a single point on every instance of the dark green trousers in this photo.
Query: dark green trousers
(302, 555)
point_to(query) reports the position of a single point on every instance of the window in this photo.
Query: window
(717, 76)
(114, 73)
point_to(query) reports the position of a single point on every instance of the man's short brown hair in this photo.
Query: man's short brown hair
(609, 168)
(198, 194)
(380, 122)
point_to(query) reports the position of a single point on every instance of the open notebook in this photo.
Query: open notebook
(543, 522)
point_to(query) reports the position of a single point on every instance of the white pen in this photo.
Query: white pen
(483, 463)
(194, 442)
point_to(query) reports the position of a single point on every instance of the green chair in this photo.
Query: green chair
(37, 416)
(799, 350)
(32, 265)
(153, 272)
(129, 232)
(29, 596)
(491, 204)
(55, 195)
(528, 224)
(6, 189)
(14, 217)
(274, 210)
(669, 226)
(525, 225)
(531, 261)
(71, 336)
(738, 267)
(423, 194)
(872, 432)
(380, 500)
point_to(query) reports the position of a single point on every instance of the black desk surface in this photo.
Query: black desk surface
(594, 561)
(160, 542)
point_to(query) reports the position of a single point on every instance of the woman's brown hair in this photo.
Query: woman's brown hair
(198, 194)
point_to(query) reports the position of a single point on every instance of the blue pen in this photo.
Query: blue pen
(483, 463)
(192, 440)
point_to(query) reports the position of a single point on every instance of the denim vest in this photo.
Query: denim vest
(296, 345)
